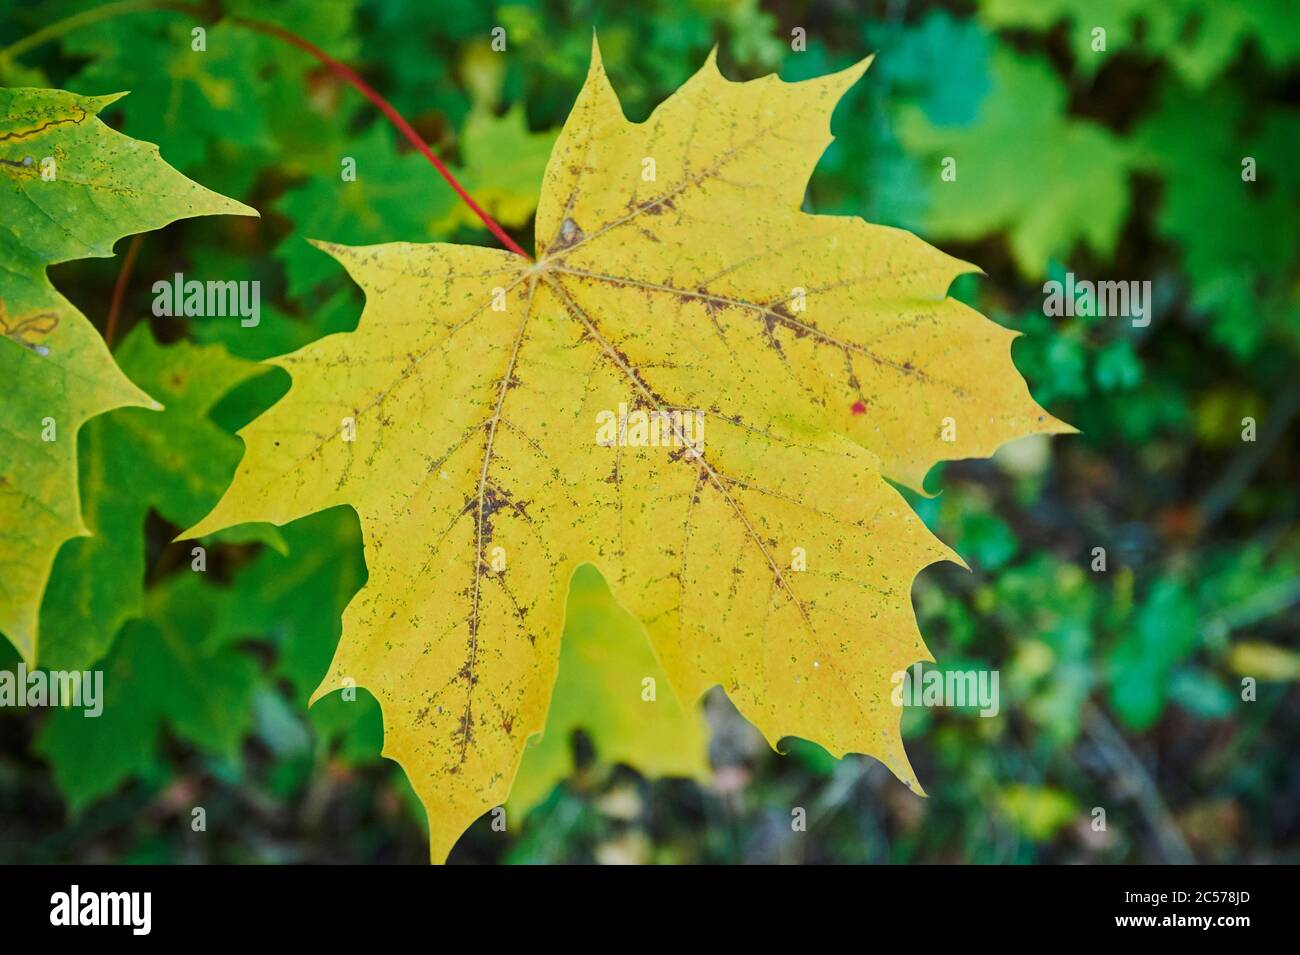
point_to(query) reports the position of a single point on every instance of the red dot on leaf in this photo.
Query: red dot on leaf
(859, 407)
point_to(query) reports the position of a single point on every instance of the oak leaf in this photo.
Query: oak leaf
(466, 421)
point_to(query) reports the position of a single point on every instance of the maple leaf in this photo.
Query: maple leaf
(185, 100)
(156, 677)
(1068, 182)
(69, 188)
(175, 463)
(675, 274)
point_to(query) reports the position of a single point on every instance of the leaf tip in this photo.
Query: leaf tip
(99, 103)
(845, 78)
(857, 69)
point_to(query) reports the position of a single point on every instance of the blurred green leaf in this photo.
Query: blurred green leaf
(1026, 168)
(1166, 629)
(158, 678)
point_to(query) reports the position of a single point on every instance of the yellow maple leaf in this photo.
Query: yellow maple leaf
(488, 421)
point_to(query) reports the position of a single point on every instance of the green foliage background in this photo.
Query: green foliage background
(1120, 689)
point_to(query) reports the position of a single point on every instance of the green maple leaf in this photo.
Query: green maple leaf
(72, 187)
(1239, 268)
(181, 669)
(135, 461)
(1065, 183)
(157, 678)
(187, 98)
